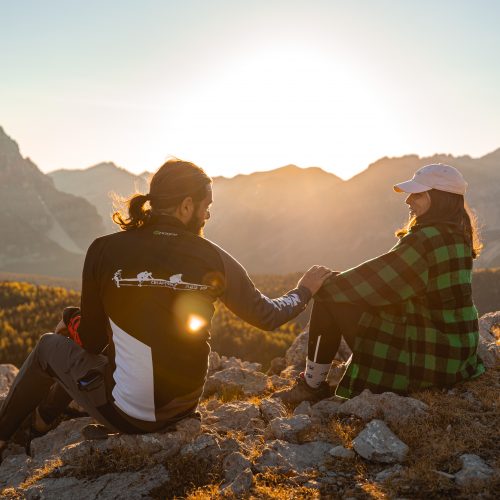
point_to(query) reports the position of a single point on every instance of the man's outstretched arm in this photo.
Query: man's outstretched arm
(246, 301)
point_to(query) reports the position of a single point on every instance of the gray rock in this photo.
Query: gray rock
(341, 452)
(271, 409)
(14, 469)
(255, 427)
(214, 362)
(7, 375)
(66, 433)
(205, 445)
(488, 349)
(277, 366)
(294, 429)
(289, 457)
(250, 383)
(241, 484)
(130, 485)
(162, 445)
(232, 416)
(297, 352)
(290, 373)
(278, 382)
(304, 408)
(233, 362)
(473, 469)
(389, 406)
(376, 442)
(213, 404)
(387, 473)
(234, 464)
(324, 410)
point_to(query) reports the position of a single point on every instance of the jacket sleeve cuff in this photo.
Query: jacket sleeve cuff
(305, 293)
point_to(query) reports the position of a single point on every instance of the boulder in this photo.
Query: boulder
(323, 411)
(277, 366)
(377, 443)
(240, 485)
(132, 485)
(7, 375)
(389, 406)
(297, 352)
(341, 452)
(249, 383)
(473, 469)
(272, 408)
(233, 362)
(14, 470)
(214, 362)
(162, 445)
(277, 382)
(288, 457)
(293, 430)
(388, 473)
(204, 446)
(489, 335)
(232, 416)
(303, 408)
(65, 434)
(233, 465)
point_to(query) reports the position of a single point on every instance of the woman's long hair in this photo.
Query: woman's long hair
(449, 208)
(172, 183)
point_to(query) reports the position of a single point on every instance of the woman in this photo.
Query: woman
(408, 314)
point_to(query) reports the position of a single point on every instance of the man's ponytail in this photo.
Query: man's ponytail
(138, 214)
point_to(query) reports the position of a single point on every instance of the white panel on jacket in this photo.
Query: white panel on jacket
(134, 389)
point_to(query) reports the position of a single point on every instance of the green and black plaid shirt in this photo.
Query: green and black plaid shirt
(421, 327)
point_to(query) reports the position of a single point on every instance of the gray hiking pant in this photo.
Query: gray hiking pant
(57, 359)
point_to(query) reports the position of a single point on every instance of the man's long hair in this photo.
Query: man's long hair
(170, 185)
(449, 208)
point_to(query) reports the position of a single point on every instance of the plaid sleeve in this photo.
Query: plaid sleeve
(391, 278)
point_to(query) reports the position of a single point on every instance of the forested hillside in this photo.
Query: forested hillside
(28, 310)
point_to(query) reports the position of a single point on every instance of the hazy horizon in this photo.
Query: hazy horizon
(238, 87)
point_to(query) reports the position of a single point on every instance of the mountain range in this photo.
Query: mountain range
(43, 230)
(278, 221)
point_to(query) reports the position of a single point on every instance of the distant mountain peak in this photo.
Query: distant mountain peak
(494, 155)
(8, 146)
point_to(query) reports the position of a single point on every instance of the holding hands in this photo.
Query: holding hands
(314, 278)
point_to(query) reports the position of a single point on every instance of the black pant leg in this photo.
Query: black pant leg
(330, 321)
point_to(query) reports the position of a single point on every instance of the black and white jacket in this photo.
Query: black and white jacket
(149, 295)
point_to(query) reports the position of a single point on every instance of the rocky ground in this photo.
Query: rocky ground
(435, 444)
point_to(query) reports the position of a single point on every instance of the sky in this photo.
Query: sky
(241, 86)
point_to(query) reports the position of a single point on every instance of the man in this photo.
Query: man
(147, 302)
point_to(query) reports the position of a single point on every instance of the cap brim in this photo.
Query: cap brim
(410, 187)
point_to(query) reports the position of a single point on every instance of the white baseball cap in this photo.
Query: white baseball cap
(434, 176)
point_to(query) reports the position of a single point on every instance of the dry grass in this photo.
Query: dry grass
(97, 463)
(190, 477)
(452, 427)
(344, 429)
(271, 485)
(231, 393)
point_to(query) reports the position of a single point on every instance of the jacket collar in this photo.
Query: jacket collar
(166, 220)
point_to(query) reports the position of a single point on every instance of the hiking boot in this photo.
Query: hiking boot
(301, 391)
